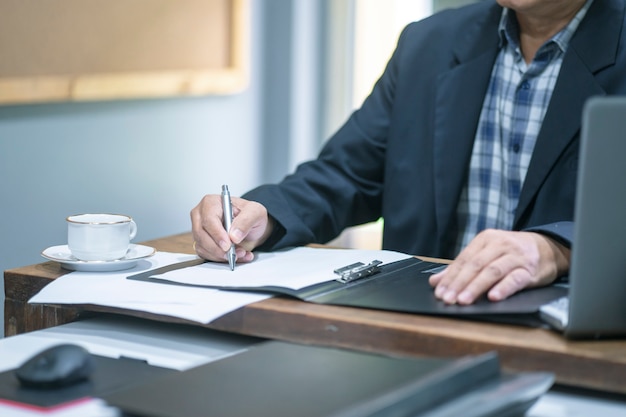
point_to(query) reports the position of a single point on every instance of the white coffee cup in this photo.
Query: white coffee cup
(100, 237)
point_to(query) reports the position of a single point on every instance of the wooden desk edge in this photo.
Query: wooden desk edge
(593, 365)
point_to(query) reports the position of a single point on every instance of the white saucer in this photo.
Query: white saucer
(63, 255)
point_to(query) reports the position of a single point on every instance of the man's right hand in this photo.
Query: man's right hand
(251, 227)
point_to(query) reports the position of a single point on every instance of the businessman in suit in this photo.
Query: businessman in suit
(467, 147)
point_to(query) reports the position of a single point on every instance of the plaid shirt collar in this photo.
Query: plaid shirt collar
(508, 29)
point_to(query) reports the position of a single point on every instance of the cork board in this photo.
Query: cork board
(66, 50)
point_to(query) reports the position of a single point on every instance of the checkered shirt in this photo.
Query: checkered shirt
(515, 104)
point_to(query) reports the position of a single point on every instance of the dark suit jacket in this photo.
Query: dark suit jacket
(404, 154)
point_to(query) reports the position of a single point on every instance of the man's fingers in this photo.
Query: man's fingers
(468, 275)
(208, 231)
(248, 229)
(497, 263)
(250, 226)
(502, 269)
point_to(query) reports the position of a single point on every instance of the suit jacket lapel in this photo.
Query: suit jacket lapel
(458, 102)
(575, 85)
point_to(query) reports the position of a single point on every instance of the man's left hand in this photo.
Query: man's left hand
(500, 263)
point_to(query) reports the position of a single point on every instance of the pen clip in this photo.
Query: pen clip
(357, 270)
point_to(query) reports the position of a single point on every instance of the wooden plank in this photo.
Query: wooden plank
(599, 365)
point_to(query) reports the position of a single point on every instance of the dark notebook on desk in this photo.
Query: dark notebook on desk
(276, 379)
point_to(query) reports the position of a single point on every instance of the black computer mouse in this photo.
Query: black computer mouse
(55, 367)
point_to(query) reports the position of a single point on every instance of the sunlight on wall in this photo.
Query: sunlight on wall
(377, 27)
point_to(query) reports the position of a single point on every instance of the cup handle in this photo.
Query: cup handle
(133, 229)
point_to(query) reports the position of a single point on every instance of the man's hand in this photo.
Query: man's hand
(251, 226)
(500, 263)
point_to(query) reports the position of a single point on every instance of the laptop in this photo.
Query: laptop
(596, 304)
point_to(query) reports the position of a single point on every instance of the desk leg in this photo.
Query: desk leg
(20, 317)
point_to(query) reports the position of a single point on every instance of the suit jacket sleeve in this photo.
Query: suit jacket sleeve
(344, 185)
(562, 232)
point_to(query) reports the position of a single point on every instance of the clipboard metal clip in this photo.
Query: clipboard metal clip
(357, 270)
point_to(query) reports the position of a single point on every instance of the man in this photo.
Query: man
(467, 147)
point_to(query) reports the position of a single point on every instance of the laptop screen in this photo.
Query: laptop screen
(598, 267)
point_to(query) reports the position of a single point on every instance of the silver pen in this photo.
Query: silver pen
(228, 219)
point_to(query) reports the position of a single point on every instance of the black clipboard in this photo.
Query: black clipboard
(400, 286)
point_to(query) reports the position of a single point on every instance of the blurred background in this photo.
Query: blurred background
(311, 63)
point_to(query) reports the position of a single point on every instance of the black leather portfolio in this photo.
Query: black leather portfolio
(398, 286)
(284, 380)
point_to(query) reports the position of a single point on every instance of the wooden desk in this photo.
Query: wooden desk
(599, 365)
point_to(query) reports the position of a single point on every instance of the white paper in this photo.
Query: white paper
(295, 268)
(112, 289)
(166, 345)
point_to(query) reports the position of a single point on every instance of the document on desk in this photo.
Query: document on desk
(399, 283)
(293, 269)
(112, 289)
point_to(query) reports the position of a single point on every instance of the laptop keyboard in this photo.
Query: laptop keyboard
(556, 313)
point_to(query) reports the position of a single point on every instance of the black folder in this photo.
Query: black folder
(399, 286)
(280, 379)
